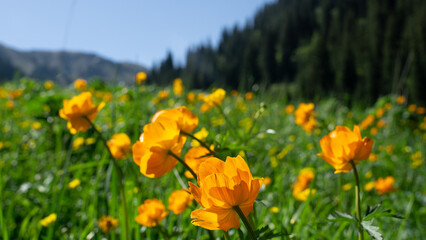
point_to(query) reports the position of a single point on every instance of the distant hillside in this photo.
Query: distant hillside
(63, 67)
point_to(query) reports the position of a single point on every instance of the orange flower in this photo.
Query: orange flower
(194, 157)
(77, 110)
(305, 116)
(213, 99)
(179, 200)
(385, 185)
(107, 223)
(301, 189)
(163, 94)
(222, 186)
(367, 121)
(380, 112)
(185, 119)
(140, 77)
(151, 212)
(249, 95)
(178, 87)
(48, 85)
(80, 84)
(400, 100)
(289, 109)
(234, 93)
(119, 145)
(190, 97)
(14, 94)
(152, 151)
(342, 145)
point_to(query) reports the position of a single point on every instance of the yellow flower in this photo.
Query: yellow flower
(388, 106)
(48, 85)
(266, 181)
(274, 210)
(178, 87)
(412, 107)
(10, 104)
(179, 200)
(400, 100)
(200, 97)
(77, 143)
(107, 223)
(49, 220)
(14, 94)
(36, 125)
(223, 186)
(367, 122)
(305, 116)
(119, 145)
(140, 77)
(90, 141)
(74, 183)
(80, 84)
(289, 109)
(77, 110)
(185, 119)
(385, 185)
(213, 99)
(347, 187)
(374, 131)
(202, 135)
(194, 157)
(152, 151)
(301, 189)
(151, 212)
(249, 96)
(373, 157)
(342, 145)
(369, 186)
(368, 174)
(380, 112)
(190, 97)
(163, 94)
(381, 123)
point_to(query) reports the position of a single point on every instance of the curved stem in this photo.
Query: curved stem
(119, 177)
(357, 203)
(183, 163)
(245, 221)
(200, 142)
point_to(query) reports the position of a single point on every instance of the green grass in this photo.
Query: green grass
(37, 165)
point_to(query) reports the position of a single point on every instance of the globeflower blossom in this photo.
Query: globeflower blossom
(179, 200)
(151, 213)
(194, 157)
(80, 84)
(385, 185)
(223, 186)
(49, 220)
(155, 149)
(305, 116)
(178, 87)
(301, 189)
(341, 146)
(78, 110)
(140, 77)
(214, 99)
(184, 118)
(119, 145)
(107, 223)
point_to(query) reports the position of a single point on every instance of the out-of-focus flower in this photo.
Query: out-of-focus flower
(119, 145)
(140, 77)
(74, 183)
(373, 157)
(124, 98)
(163, 94)
(367, 122)
(374, 131)
(388, 106)
(412, 107)
(381, 123)
(89, 141)
(274, 210)
(178, 87)
(153, 150)
(80, 84)
(234, 93)
(385, 185)
(48, 85)
(266, 181)
(289, 109)
(107, 223)
(49, 220)
(14, 94)
(108, 97)
(151, 213)
(389, 149)
(201, 135)
(380, 112)
(200, 97)
(305, 116)
(194, 157)
(417, 159)
(77, 110)
(301, 189)
(222, 187)
(77, 143)
(420, 110)
(179, 200)
(347, 187)
(185, 119)
(213, 99)
(36, 125)
(400, 100)
(190, 97)
(369, 186)
(249, 96)
(341, 146)
(368, 174)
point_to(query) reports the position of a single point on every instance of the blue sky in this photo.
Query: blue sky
(129, 30)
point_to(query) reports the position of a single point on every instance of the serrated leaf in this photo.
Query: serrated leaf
(339, 216)
(372, 209)
(372, 230)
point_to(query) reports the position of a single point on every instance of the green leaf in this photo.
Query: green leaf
(339, 216)
(372, 209)
(260, 202)
(372, 230)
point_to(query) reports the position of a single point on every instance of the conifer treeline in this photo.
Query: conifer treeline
(352, 49)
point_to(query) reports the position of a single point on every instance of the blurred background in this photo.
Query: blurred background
(353, 50)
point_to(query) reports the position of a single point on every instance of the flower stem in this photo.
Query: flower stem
(200, 142)
(119, 177)
(233, 128)
(183, 163)
(357, 203)
(245, 221)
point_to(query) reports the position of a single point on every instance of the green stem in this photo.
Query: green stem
(200, 142)
(245, 221)
(357, 203)
(119, 177)
(233, 128)
(183, 163)
(226, 235)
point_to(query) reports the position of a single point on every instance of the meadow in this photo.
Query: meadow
(58, 185)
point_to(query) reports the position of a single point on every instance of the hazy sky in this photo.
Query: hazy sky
(139, 31)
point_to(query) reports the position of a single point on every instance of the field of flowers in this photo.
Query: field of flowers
(95, 161)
